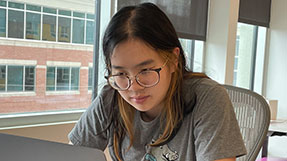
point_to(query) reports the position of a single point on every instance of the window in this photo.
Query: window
(78, 31)
(245, 53)
(17, 78)
(49, 28)
(75, 78)
(3, 3)
(33, 8)
(29, 78)
(2, 22)
(90, 81)
(16, 5)
(26, 21)
(65, 12)
(249, 49)
(90, 32)
(49, 10)
(78, 14)
(2, 78)
(64, 29)
(193, 53)
(33, 26)
(62, 78)
(15, 24)
(50, 79)
(236, 60)
(29, 82)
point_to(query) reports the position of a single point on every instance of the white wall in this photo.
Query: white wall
(276, 57)
(221, 40)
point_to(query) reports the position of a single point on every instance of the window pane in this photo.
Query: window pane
(244, 54)
(49, 28)
(15, 24)
(198, 56)
(33, 8)
(50, 76)
(33, 26)
(90, 81)
(16, 5)
(193, 50)
(2, 22)
(29, 78)
(15, 78)
(90, 16)
(63, 75)
(49, 10)
(90, 32)
(2, 77)
(188, 51)
(64, 29)
(64, 12)
(3, 3)
(75, 79)
(79, 14)
(235, 63)
(234, 77)
(78, 31)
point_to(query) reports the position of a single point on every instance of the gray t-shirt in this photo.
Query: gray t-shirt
(209, 132)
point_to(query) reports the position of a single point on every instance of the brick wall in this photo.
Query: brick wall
(40, 100)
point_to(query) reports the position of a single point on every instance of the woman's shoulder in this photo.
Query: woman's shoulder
(197, 88)
(107, 92)
(105, 100)
(199, 85)
(202, 95)
(108, 95)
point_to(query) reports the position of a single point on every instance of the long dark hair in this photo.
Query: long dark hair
(146, 22)
(149, 24)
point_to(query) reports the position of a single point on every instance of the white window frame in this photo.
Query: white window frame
(69, 65)
(23, 63)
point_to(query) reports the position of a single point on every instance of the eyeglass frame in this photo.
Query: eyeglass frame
(136, 76)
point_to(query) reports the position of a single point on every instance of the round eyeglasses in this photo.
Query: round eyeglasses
(145, 78)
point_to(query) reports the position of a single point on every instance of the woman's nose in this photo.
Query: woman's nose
(135, 85)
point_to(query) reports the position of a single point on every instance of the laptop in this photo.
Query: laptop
(18, 148)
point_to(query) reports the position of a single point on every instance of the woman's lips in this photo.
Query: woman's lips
(139, 99)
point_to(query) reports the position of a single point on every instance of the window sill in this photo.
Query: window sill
(9, 94)
(62, 92)
(13, 121)
(45, 44)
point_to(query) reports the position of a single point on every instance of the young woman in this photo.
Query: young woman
(153, 108)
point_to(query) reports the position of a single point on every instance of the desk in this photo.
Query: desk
(276, 128)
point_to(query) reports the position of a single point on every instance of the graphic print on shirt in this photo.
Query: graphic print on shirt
(161, 153)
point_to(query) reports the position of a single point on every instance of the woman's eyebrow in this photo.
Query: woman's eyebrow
(144, 63)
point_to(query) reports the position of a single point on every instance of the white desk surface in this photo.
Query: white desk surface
(279, 125)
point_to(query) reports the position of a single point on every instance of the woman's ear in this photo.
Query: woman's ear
(176, 52)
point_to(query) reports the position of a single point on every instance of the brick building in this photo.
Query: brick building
(46, 55)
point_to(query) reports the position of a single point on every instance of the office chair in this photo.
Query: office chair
(253, 116)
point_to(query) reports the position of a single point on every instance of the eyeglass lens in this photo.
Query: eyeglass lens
(144, 78)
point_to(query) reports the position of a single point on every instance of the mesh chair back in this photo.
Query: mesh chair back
(253, 116)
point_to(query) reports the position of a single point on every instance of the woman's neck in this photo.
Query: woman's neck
(146, 117)
(152, 114)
